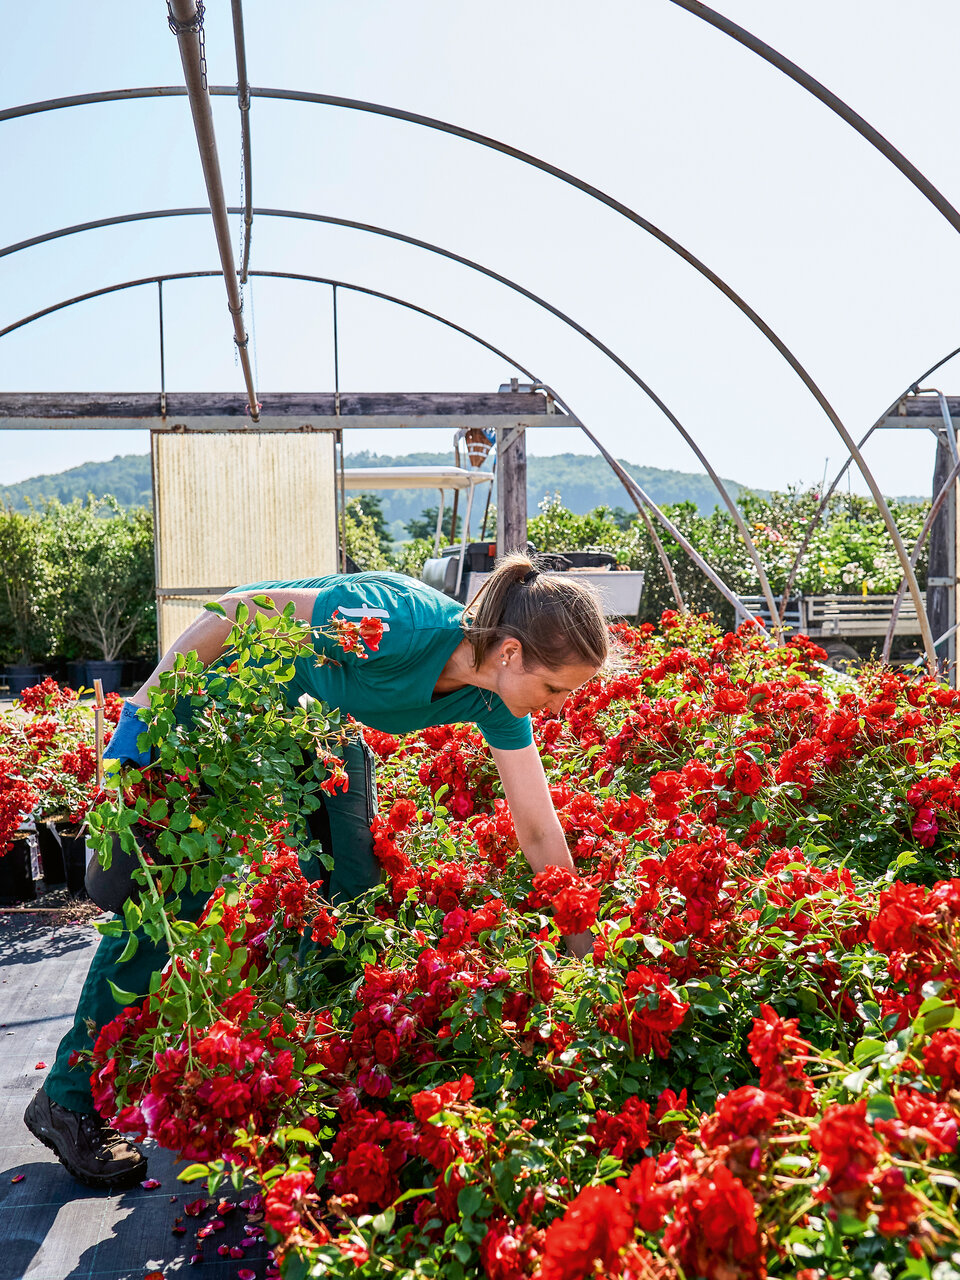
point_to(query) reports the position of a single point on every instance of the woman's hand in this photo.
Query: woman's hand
(579, 944)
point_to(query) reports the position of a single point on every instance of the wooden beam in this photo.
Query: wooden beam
(282, 411)
(921, 411)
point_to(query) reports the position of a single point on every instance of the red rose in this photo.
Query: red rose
(747, 777)
(591, 1233)
(848, 1151)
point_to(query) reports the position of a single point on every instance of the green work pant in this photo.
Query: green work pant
(343, 828)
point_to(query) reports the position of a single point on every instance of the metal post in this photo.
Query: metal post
(163, 375)
(186, 22)
(336, 357)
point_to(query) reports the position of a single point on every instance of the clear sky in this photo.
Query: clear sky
(838, 253)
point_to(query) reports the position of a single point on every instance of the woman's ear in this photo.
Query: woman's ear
(511, 652)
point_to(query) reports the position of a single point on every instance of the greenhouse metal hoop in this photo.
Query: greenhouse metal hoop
(831, 489)
(603, 197)
(329, 219)
(638, 495)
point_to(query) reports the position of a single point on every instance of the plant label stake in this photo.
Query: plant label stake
(98, 706)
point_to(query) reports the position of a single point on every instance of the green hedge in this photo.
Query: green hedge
(77, 580)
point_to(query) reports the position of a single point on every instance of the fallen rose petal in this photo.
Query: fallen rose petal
(195, 1207)
(150, 1185)
(205, 1231)
(178, 1231)
(40, 1066)
(195, 1258)
(246, 1274)
(224, 1207)
(217, 1224)
(18, 1177)
(153, 1275)
(223, 1250)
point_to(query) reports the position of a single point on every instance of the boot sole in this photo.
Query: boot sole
(118, 1182)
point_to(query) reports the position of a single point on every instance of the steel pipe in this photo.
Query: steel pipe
(427, 245)
(825, 497)
(610, 202)
(829, 99)
(186, 21)
(628, 484)
(935, 508)
(246, 151)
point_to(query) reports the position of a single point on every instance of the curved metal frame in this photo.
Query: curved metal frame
(632, 488)
(625, 211)
(829, 99)
(829, 492)
(935, 508)
(330, 220)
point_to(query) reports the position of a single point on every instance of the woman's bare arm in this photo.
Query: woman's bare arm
(535, 820)
(207, 634)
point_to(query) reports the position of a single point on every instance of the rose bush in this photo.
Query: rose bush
(47, 757)
(756, 1074)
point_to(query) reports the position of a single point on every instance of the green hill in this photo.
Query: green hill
(127, 478)
(583, 482)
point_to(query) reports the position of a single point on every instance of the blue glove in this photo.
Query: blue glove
(123, 741)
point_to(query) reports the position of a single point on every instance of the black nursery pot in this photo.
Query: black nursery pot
(16, 872)
(74, 849)
(22, 677)
(110, 889)
(108, 673)
(51, 855)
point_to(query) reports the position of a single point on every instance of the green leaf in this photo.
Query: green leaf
(218, 609)
(383, 1222)
(122, 997)
(867, 1049)
(936, 1013)
(470, 1200)
(130, 950)
(880, 1106)
(192, 1172)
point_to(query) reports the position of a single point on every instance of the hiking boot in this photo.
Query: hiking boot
(85, 1145)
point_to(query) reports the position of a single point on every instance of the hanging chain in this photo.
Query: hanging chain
(195, 25)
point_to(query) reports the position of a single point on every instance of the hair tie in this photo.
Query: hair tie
(529, 577)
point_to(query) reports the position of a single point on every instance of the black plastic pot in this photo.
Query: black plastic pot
(51, 854)
(16, 872)
(76, 673)
(110, 889)
(74, 848)
(109, 673)
(22, 677)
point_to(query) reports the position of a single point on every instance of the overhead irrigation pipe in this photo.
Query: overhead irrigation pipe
(829, 99)
(385, 297)
(186, 22)
(925, 528)
(594, 193)
(243, 102)
(371, 229)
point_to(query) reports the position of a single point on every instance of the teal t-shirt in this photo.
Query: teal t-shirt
(392, 688)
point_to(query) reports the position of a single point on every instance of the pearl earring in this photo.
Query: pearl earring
(503, 663)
